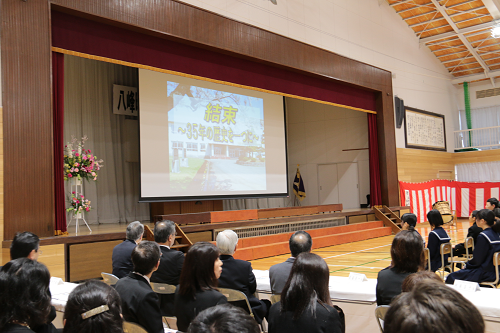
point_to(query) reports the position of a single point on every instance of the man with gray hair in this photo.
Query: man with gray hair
(122, 261)
(238, 274)
(171, 262)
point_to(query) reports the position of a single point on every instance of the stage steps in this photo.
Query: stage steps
(272, 245)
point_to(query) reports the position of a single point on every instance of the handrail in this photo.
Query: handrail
(477, 137)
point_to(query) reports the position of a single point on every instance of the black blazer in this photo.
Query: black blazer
(187, 308)
(238, 274)
(122, 261)
(327, 320)
(168, 272)
(15, 328)
(140, 303)
(388, 285)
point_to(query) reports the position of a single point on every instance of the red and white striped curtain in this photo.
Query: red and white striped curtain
(463, 197)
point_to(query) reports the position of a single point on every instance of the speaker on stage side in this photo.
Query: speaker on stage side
(399, 107)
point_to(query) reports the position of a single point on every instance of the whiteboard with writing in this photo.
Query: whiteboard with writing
(424, 130)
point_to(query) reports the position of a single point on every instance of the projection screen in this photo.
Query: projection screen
(203, 140)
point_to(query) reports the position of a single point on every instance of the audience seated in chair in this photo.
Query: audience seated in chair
(122, 263)
(305, 304)
(238, 274)
(224, 318)
(93, 307)
(25, 297)
(480, 268)
(171, 262)
(198, 283)
(411, 280)
(409, 220)
(300, 242)
(432, 307)
(140, 304)
(474, 231)
(492, 203)
(27, 245)
(437, 237)
(407, 253)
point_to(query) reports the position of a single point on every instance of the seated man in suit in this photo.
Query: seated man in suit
(300, 242)
(122, 263)
(238, 274)
(171, 262)
(140, 303)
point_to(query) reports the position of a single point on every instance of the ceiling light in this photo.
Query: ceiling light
(495, 32)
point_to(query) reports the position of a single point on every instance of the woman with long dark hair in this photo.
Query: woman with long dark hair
(198, 283)
(480, 268)
(437, 237)
(305, 304)
(407, 253)
(24, 296)
(93, 307)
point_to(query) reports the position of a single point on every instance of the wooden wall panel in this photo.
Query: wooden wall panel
(477, 156)
(1, 176)
(416, 165)
(27, 117)
(87, 261)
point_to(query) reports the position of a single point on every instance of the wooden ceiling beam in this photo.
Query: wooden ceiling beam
(457, 59)
(462, 31)
(419, 15)
(474, 77)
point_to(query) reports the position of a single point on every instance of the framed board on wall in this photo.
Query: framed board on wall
(424, 130)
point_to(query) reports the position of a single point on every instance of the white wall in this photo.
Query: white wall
(478, 103)
(366, 30)
(318, 134)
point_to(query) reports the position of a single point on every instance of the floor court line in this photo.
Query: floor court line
(376, 247)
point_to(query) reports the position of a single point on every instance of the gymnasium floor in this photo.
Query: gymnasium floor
(367, 257)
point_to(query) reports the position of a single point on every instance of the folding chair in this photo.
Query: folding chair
(109, 279)
(427, 258)
(494, 284)
(444, 249)
(468, 244)
(129, 327)
(380, 312)
(164, 289)
(275, 298)
(236, 295)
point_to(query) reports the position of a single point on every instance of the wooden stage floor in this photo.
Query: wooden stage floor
(367, 257)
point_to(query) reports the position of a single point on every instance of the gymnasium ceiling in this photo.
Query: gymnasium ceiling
(458, 32)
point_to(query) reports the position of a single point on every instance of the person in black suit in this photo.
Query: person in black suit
(198, 283)
(407, 253)
(140, 303)
(24, 297)
(238, 274)
(305, 304)
(122, 262)
(171, 262)
(300, 242)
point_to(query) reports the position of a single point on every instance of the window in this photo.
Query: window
(177, 144)
(203, 147)
(192, 146)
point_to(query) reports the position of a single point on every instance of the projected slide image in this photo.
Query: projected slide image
(216, 140)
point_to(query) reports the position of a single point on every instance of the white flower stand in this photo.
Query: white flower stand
(77, 187)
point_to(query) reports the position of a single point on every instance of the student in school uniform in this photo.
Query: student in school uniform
(437, 237)
(480, 268)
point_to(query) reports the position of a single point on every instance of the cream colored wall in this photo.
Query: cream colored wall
(366, 30)
(320, 134)
(481, 102)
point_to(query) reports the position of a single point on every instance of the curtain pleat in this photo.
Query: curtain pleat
(58, 123)
(88, 111)
(375, 191)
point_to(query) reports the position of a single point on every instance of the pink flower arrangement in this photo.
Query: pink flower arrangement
(80, 162)
(78, 203)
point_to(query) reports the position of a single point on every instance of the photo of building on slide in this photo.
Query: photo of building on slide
(216, 140)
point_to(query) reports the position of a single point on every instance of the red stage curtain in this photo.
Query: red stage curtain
(375, 191)
(58, 121)
(94, 38)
